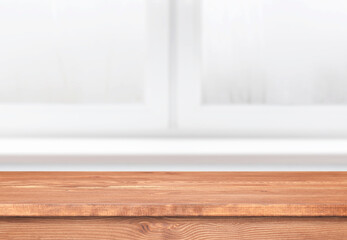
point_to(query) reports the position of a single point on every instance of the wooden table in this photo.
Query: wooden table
(172, 205)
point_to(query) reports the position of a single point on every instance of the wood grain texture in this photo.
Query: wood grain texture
(172, 228)
(183, 194)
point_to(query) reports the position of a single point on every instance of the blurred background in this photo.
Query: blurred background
(173, 85)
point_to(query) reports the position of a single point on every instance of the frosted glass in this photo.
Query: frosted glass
(285, 52)
(72, 51)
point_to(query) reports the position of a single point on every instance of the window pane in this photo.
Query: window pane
(285, 52)
(72, 51)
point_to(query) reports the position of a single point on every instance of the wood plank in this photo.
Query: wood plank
(173, 194)
(172, 228)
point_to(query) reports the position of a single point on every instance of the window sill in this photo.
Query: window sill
(173, 154)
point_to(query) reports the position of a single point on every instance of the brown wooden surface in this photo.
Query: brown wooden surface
(173, 228)
(173, 194)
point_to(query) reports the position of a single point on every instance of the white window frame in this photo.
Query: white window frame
(239, 121)
(105, 120)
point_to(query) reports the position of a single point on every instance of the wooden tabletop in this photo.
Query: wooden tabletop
(173, 194)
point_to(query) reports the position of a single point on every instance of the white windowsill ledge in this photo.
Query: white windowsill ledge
(172, 154)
